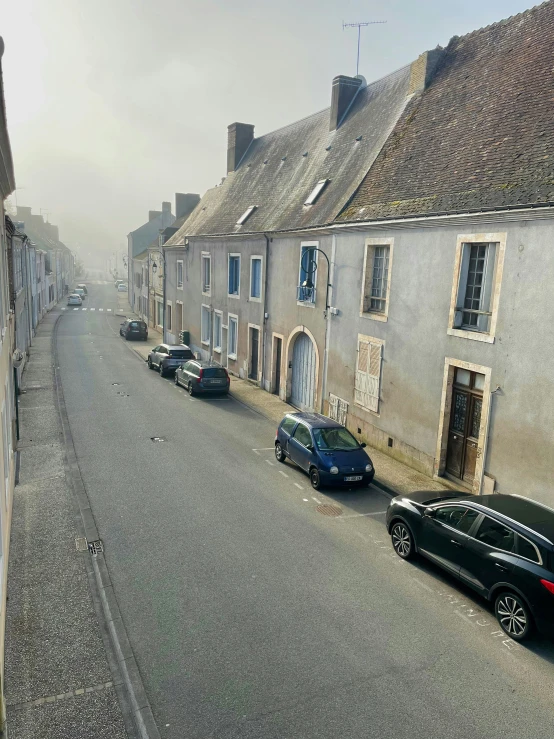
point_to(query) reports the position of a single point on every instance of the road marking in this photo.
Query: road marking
(84, 309)
(93, 308)
(75, 308)
(299, 486)
(265, 449)
(360, 515)
(109, 310)
(305, 500)
(101, 310)
(63, 308)
(283, 473)
(269, 462)
(316, 500)
(256, 452)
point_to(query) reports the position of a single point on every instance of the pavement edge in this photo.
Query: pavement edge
(131, 693)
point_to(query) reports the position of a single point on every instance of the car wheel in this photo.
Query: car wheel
(513, 615)
(161, 370)
(314, 478)
(190, 389)
(280, 455)
(149, 363)
(402, 540)
(126, 337)
(176, 379)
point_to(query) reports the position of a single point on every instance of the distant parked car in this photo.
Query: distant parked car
(202, 377)
(83, 287)
(502, 546)
(74, 299)
(117, 283)
(167, 357)
(324, 449)
(122, 288)
(80, 292)
(132, 329)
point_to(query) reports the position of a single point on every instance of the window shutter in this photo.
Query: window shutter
(368, 375)
(483, 322)
(462, 285)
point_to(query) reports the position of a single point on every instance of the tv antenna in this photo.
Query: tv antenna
(359, 26)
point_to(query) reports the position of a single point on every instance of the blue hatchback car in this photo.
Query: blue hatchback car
(324, 449)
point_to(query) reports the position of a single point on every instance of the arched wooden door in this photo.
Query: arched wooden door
(303, 373)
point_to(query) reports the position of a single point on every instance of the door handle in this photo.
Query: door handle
(456, 543)
(501, 567)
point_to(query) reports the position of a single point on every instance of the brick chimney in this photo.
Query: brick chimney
(239, 138)
(343, 92)
(423, 69)
(185, 203)
(153, 214)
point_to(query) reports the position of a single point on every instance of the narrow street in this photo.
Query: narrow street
(250, 612)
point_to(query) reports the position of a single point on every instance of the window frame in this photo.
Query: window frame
(246, 215)
(499, 239)
(169, 315)
(218, 346)
(475, 523)
(300, 425)
(205, 310)
(230, 318)
(369, 261)
(316, 191)
(180, 283)
(307, 245)
(260, 259)
(481, 521)
(206, 257)
(233, 255)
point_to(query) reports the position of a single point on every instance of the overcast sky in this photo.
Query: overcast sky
(115, 105)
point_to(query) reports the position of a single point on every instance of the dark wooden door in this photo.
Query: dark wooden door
(254, 354)
(463, 432)
(278, 344)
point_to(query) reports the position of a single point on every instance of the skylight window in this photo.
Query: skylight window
(246, 215)
(316, 192)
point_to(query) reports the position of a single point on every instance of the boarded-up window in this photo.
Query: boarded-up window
(338, 409)
(368, 374)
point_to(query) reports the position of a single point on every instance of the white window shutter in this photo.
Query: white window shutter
(462, 285)
(368, 375)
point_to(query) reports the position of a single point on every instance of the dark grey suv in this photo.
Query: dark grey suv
(202, 377)
(167, 357)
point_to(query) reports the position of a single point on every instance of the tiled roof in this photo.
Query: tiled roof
(280, 169)
(481, 136)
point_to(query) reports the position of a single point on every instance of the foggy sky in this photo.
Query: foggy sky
(115, 105)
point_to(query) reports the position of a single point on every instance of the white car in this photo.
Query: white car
(74, 300)
(122, 288)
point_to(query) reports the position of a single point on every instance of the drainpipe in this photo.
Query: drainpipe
(264, 309)
(486, 441)
(163, 292)
(330, 282)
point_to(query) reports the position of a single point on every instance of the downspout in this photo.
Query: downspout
(264, 309)
(330, 282)
(163, 293)
(486, 441)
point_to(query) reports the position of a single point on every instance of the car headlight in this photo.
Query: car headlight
(334, 470)
(368, 468)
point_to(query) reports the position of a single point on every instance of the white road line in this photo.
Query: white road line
(269, 462)
(256, 452)
(83, 308)
(316, 500)
(93, 308)
(101, 310)
(63, 309)
(75, 308)
(265, 449)
(283, 473)
(299, 486)
(109, 310)
(360, 515)
(305, 500)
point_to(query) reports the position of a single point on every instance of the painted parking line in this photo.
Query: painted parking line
(268, 461)
(75, 308)
(109, 310)
(299, 486)
(283, 473)
(264, 449)
(101, 310)
(362, 515)
(316, 500)
(93, 308)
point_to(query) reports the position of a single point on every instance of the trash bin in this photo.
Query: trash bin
(184, 337)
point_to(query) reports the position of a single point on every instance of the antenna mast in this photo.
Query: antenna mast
(359, 27)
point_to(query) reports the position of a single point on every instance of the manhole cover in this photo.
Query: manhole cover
(329, 510)
(81, 544)
(96, 547)
(157, 438)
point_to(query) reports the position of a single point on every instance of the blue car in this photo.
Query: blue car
(324, 449)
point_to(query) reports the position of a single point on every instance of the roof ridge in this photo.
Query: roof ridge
(502, 22)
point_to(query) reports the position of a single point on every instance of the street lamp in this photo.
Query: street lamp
(308, 283)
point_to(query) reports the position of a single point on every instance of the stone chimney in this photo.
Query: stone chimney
(239, 138)
(343, 92)
(423, 69)
(185, 203)
(153, 214)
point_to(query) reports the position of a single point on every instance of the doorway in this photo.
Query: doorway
(303, 373)
(465, 425)
(254, 353)
(277, 351)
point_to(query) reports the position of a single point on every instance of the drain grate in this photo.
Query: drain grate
(81, 544)
(329, 510)
(96, 547)
(158, 438)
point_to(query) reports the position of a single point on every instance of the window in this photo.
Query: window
(180, 274)
(316, 192)
(206, 273)
(232, 338)
(303, 436)
(205, 327)
(496, 535)
(246, 215)
(256, 278)
(17, 266)
(457, 516)
(160, 313)
(527, 549)
(234, 274)
(217, 332)
(376, 279)
(368, 373)
(168, 316)
(307, 273)
(288, 424)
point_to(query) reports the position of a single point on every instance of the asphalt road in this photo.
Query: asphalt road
(251, 613)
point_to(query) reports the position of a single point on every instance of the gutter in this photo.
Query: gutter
(264, 304)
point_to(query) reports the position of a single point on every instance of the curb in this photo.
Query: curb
(127, 678)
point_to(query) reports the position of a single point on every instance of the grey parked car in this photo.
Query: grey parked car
(167, 357)
(202, 377)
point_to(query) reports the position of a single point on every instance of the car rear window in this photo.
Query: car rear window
(138, 324)
(288, 424)
(181, 354)
(213, 372)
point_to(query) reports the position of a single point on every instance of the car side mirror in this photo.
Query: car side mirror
(363, 445)
(430, 513)
(310, 447)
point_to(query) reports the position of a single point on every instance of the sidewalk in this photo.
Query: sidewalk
(58, 680)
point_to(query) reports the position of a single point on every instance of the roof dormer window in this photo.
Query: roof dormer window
(246, 215)
(316, 192)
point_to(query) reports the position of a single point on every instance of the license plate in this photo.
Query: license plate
(214, 382)
(353, 478)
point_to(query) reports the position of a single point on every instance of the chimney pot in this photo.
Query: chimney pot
(423, 69)
(239, 138)
(343, 92)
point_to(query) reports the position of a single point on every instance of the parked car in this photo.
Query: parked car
(502, 546)
(202, 377)
(74, 299)
(167, 357)
(80, 292)
(132, 329)
(83, 287)
(122, 288)
(117, 283)
(324, 449)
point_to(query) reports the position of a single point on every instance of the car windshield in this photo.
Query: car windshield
(335, 440)
(213, 372)
(181, 353)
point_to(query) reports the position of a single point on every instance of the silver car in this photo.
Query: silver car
(167, 357)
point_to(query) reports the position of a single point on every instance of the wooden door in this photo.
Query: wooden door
(278, 348)
(255, 340)
(465, 425)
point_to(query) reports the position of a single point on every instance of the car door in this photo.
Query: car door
(301, 447)
(444, 535)
(161, 355)
(490, 555)
(154, 355)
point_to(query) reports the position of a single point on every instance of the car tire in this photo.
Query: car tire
(126, 337)
(176, 379)
(513, 615)
(315, 480)
(150, 366)
(161, 370)
(280, 455)
(190, 389)
(402, 540)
